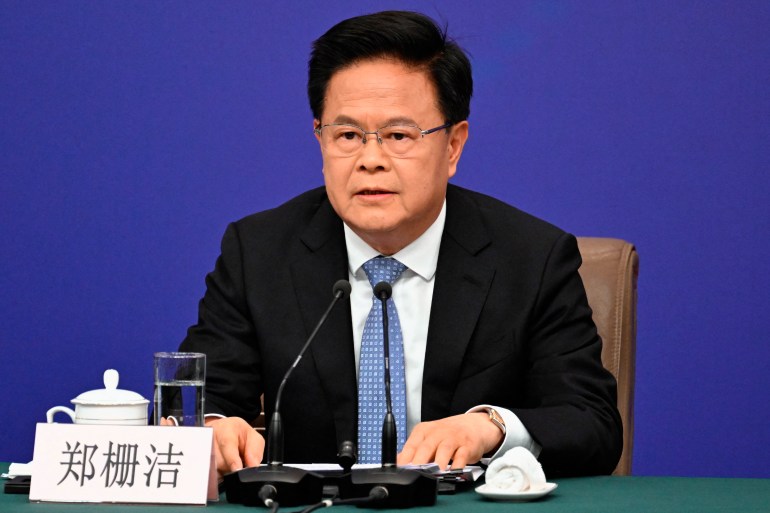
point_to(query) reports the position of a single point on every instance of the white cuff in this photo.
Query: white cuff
(516, 435)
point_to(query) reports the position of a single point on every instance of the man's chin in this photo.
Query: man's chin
(382, 235)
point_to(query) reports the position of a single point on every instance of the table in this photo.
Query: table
(576, 495)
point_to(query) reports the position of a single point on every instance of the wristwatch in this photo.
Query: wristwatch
(496, 419)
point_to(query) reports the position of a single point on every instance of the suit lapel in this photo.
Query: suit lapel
(314, 275)
(463, 279)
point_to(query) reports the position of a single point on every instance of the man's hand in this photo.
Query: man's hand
(236, 444)
(461, 439)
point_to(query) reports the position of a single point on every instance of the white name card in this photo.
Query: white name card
(128, 464)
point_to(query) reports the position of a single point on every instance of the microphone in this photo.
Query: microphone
(404, 488)
(346, 456)
(389, 448)
(275, 445)
(293, 486)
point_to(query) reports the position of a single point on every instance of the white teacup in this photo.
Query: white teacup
(109, 405)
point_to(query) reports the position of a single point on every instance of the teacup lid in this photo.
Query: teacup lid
(110, 394)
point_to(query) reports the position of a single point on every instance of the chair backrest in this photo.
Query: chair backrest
(610, 270)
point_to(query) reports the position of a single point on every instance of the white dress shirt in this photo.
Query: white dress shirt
(413, 295)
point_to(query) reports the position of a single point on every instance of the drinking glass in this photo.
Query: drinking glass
(180, 380)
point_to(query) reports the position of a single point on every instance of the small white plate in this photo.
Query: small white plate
(502, 495)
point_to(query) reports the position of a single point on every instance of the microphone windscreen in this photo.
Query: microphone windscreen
(383, 290)
(342, 287)
(346, 455)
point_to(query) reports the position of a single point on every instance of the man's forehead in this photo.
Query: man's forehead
(385, 88)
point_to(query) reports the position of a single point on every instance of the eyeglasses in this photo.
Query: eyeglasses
(344, 140)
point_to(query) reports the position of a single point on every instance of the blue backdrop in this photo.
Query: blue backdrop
(132, 132)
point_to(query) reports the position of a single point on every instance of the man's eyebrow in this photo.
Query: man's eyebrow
(347, 120)
(400, 120)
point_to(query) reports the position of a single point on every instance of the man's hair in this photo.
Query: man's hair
(408, 37)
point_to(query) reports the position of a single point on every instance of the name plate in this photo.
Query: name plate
(127, 464)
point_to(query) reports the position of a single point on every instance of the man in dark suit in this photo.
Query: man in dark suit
(499, 349)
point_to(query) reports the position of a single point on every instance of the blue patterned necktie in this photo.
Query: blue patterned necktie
(371, 368)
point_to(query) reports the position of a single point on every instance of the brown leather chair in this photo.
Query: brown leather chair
(610, 270)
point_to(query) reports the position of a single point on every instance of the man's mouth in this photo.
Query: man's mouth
(373, 192)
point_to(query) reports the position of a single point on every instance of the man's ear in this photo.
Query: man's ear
(457, 138)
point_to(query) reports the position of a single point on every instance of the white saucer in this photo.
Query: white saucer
(502, 495)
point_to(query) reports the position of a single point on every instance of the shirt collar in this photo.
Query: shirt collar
(421, 256)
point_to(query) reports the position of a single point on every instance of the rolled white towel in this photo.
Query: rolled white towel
(516, 471)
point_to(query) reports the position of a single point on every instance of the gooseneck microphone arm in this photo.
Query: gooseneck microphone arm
(273, 483)
(341, 290)
(389, 486)
(383, 291)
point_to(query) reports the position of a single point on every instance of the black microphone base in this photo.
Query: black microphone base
(294, 486)
(406, 487)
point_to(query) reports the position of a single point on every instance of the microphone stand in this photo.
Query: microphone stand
(274, 483)
(404, 488)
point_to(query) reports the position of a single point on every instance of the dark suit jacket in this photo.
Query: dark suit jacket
(509, 326)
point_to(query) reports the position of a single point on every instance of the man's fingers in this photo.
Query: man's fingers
(458, 440)
(231, 457)
(460, 458)
(430, 438)
(406, 456)
(420, 447)
(445, 453)
(254, 449)
(236, 444)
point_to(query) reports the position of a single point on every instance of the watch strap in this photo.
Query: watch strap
(496, 419)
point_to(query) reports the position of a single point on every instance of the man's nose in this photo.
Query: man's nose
(372, 157)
